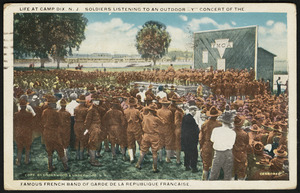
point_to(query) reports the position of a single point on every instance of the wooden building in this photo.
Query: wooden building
(235, 48)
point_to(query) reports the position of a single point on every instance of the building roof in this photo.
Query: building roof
(260, 48)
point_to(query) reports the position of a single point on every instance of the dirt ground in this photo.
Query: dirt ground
(111, 169)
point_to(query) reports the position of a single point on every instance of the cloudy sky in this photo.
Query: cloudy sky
(115, 32)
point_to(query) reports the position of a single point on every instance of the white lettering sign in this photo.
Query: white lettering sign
(221, 45)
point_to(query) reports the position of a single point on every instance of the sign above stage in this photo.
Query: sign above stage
(221, 45)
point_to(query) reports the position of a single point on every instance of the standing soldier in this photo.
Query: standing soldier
(134, 90)
(167, 130)
(206, 146)
(65, 127)
(92, 124)
(149, 95)
(240, 149)
(23, 132)
(151, 127)
(115, 124)
(178, 121)
(134, 128)
(80, 113)
(51, 122)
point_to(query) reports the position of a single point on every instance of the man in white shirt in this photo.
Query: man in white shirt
(223, 138)
(161, 93)
(70, 108)
(142, 93)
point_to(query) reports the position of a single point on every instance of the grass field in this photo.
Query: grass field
(111, 170)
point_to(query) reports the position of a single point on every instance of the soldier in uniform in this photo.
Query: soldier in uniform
(134, 128)
(80, 113)
(65, 127)
(115, 124)
(51, 122)
(167, 133)
(92, 125)
(151, 127)
(206, 146)
(23, 132)
(240, 149)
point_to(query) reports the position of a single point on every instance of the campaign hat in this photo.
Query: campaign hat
(239, 120)
(132, 101)
(255, 128)
(164, 100)
(63, 102)
(23, 102)
(280, 151)
(81, 98)
(213, 112)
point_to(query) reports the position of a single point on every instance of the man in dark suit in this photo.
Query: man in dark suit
(189, 140)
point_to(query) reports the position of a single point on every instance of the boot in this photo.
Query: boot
(178, 162)
(113, 151)
(130, 152)
(106, 146)
(65, 154)
(160, 155)
(65, 163)
(117, 150)
(155, 170)
(93, 160)
(51, 168)
(99, 151)
(77, 154)
(141, 158)
(123, 154)
(19, 157)
(81, 155)
(168, 157)
(205, 175)
(27, 156)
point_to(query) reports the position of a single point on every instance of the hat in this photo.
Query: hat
(23, 103)
(227, 117)
(73, 96)
(34, 97)
(63, 102)
(150, 86)
(91, 89)
(264, 162)
(255, 127)
(193, 107)
(213, 112)
(152, 107)
(164, 101)
(172, 87)
(280, 151)
(94, 97)
(29, 92)
(132, 101)
(258, 147)
(51, 99)
(81, 99)
(239, 120)
(115, 101)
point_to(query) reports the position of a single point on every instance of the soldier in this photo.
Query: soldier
(240, 149)
(115, 124)
(149, 95)
(92, 124)
(23, 132)
(151, 127)
(178, 121)
(80, 113)
(65, 127)
(51, 122)
(135, 90)
(167, 133)
(134, 128)
(206, 146)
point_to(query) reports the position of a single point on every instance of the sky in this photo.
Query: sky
(115, 32)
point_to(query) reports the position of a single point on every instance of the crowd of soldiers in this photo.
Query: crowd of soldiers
(87, 115)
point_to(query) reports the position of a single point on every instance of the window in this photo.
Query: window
(205, 56)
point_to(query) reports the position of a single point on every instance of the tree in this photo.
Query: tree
(152, 41)
(42, 34)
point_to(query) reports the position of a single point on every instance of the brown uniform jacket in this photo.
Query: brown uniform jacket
(205, 133)
(134, 119)
(23, 125)
(241, 145)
